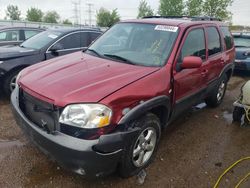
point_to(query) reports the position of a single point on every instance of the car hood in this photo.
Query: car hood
(12, 52)
(240, 53)
(78, 78)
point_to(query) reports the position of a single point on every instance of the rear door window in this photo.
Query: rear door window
(227, 38)
(93, 36)
(84, 39)
(214, 43)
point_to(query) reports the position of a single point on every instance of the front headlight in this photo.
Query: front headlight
(1, 62)
(88, 116)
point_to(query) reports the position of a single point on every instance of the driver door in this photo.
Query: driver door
(190, 84)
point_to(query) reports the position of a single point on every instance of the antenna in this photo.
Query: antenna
(90, 12)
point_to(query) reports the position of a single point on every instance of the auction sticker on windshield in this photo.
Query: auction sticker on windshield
(166, 28)
(52, 36)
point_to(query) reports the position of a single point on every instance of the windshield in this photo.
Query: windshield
(41, 40)
(134, 43)
(242, 42)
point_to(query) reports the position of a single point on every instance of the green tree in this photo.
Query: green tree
(107, 18)
(13, 12)
(144, 9)
(34, 15)
(67, 22)
(194, 7)
(171, 8)
(218, 9)
(51, 17)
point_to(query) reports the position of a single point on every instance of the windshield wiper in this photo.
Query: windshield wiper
(95, 52)
(119, 58)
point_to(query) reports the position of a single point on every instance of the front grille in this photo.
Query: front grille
(41, 113)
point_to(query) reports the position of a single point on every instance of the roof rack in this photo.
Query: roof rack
(192, 18)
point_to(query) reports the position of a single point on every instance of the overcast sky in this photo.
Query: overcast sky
(126, 8)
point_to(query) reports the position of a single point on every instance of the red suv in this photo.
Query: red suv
(104, 109)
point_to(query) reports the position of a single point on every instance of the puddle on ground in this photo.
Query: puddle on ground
(228, 117)
(10, 143)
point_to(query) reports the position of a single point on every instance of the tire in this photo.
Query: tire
(131, 162)
(9, 81)
(216, 97)
(237, 114)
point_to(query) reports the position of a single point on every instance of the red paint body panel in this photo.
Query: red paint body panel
(151, 86)
(80, 78)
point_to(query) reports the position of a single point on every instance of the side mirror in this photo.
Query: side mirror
(191, 62)
(56, 47)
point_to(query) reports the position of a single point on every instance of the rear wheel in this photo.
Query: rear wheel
(216, 97)
(141, 150)
(10, 82)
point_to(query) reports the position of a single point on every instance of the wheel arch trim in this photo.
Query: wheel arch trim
(147, 106)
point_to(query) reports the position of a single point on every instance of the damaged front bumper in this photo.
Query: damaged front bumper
(93, 158)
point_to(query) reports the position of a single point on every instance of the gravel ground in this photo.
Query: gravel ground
(193, 152)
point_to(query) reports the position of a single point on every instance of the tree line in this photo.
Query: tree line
(34, 15)
(211, 8)
(106, 18)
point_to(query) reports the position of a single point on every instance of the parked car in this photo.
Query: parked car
(16, 35)
(242, 45)
(44, 46)
(104, 109)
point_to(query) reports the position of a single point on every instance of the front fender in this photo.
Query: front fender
(144, 107)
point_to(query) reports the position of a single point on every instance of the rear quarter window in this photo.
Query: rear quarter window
(227, 38)
(9, 35)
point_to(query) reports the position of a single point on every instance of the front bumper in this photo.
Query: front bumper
(93, 158)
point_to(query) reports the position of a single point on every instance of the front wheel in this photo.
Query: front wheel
(141, 150)
(216, 97)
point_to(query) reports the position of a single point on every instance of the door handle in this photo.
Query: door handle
(204, 72)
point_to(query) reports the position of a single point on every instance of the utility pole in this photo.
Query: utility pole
(75, 11)
(90, 12)
(80, 13)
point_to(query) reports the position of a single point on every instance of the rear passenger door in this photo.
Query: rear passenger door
(190, 84)
(229, 50)
(215, 61)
